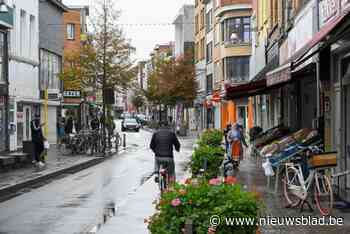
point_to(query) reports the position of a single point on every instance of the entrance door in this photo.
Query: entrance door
(2, 128)
(242, 116)
(27, 117)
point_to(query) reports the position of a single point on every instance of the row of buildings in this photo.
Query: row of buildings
(273, 62)
(35, 37)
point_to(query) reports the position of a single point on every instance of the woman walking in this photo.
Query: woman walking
(236, 139)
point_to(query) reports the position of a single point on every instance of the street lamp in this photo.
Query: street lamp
(3, 7)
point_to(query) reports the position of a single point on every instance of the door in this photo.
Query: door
(242, 116)
(27, 115)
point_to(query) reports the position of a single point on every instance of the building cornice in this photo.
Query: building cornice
(236, 7)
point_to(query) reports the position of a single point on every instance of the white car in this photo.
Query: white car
(130, 124)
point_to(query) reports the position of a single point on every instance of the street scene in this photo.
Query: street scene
(174, 117)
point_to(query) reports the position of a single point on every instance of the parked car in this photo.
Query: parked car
(130, 124)
(141, 119)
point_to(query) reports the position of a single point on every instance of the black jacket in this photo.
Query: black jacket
(163, 141)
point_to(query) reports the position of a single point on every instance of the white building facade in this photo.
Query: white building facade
(23, 71)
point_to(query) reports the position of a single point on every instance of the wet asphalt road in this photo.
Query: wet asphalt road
(78, 203)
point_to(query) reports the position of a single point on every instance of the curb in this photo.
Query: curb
(15, 190)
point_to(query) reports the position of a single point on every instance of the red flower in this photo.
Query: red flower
(211, 230)
(230, 180)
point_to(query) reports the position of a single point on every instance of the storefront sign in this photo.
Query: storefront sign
(278, 75)
(72, 94)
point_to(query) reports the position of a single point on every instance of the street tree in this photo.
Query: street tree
(104, 60)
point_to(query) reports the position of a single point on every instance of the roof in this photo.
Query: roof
(59, 4)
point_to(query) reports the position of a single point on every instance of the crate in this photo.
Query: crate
(328, 159)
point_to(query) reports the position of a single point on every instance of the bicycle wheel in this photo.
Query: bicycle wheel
(323, 193)
(292, 187)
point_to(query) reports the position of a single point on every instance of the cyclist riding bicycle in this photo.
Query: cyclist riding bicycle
(162, 144)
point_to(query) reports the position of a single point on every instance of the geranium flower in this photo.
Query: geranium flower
(176, 202)
(230, 180)
(215, 181)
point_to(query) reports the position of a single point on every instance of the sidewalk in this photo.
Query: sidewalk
(131, 216)
(16, 179)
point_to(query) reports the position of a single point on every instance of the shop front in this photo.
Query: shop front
(4, 90)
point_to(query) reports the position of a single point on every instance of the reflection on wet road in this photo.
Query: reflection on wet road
(82, 202)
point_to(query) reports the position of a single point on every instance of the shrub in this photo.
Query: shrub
(200, 201)
(214, 155)
(212, 137)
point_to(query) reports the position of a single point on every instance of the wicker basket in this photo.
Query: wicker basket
(328, 159)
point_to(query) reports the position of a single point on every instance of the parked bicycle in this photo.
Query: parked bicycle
(297, 187)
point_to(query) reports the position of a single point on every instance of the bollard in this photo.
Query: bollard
(124, 140)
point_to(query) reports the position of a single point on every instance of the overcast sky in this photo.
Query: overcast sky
(144, 38)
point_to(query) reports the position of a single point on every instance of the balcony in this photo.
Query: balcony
(232, 5)
(233, 2)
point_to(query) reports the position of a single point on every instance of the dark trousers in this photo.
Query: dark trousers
(38, 148)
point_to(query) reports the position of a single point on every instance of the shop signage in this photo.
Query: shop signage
(72, 93)
(278, 75)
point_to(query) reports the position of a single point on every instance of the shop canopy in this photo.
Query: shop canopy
(282, 74)
(246, 90)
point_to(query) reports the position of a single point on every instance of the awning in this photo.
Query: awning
(283, 73)
(245, 90)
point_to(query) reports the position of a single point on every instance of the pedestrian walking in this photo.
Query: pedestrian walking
(60, 129)
(236, 139)
(37, 140)
(226, 131)
(69, 125)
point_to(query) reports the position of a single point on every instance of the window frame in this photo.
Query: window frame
(239, 25)
(209, 52)
(70, 31)
(240, 74)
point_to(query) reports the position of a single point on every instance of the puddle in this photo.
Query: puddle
(146, 177)
(109, 211)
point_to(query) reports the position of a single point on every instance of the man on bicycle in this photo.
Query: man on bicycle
(162, 144)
